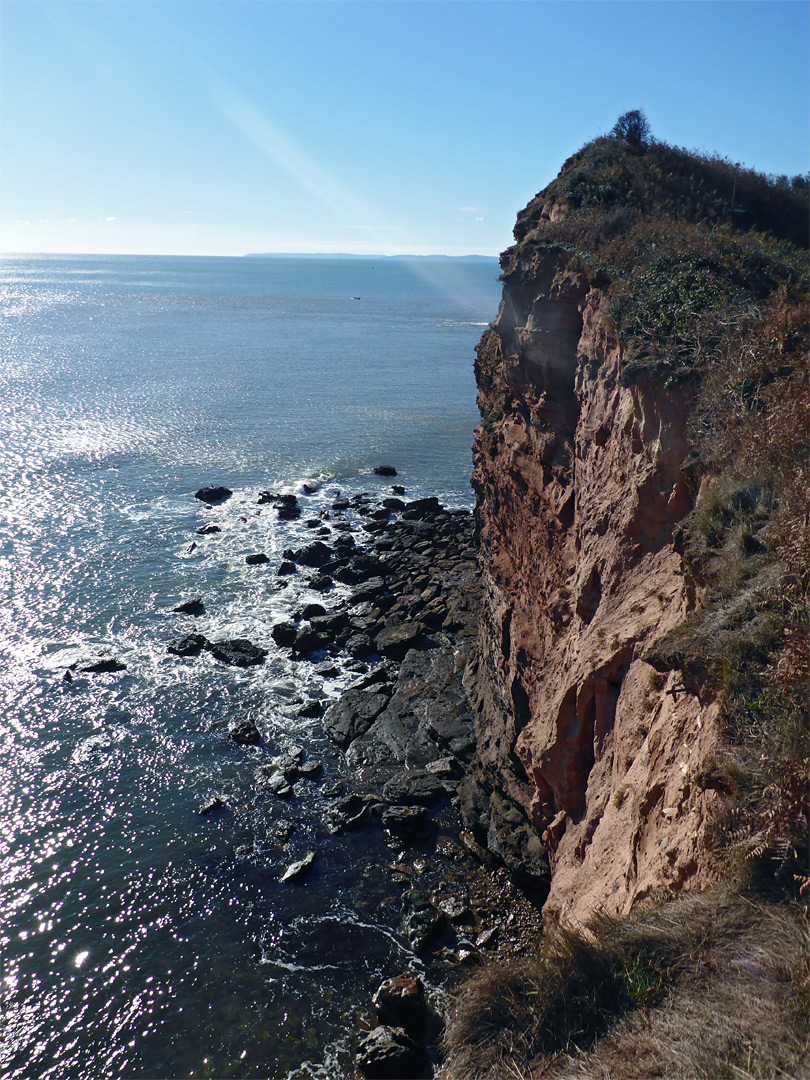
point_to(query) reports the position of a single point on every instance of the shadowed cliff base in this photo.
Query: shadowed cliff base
(641, 473)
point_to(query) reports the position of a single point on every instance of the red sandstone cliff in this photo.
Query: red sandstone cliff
(582, 477)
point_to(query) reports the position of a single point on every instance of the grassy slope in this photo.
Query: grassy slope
(707, 270)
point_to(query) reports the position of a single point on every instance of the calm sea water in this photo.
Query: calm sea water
(139, 938)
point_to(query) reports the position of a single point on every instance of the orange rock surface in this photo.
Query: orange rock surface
(582, 479)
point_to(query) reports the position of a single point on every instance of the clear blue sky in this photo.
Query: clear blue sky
(228, 127)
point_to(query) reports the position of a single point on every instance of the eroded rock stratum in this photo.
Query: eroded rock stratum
(588, 758)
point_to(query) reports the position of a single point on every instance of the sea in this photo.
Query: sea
(138, 936)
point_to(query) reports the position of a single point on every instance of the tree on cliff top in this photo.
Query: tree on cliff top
(633, 128)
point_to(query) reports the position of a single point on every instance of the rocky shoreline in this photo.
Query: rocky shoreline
(396, 622)
(405, 628)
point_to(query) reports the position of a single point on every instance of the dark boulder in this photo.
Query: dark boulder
(385, 470)
(190, 645)
(400, 1002)
(213, 494)
(421, 508)
(312, 610)
(321, 583)
(244, 732)
(239, 652)
(352, 715)
(314, 554)
(257, 560)
(407, 824)
(308, 641)
(350, 812)
(190, 607)
(389, 1053)
(422, 922)
(370, 590)
(286, 568)
(312, 709)
(273, 781)
(289, 511)
(284, 634)
(394, 641)
(208, 530)
(416, 787)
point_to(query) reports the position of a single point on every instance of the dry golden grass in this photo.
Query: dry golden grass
(709, 986)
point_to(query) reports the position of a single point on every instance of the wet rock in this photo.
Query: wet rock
(289, 511)
(453, 726)
(393, 504)
(341, 504)
(190, 607)
(456, 909)
(414, 788)
(313, 610)
(359, 645)
(382, 674)
(238, 652)
(398, 489)
(422, 922)
(280, 831)
(420, 509)
(321, 583)
(284, 634)
(352, 715)
(385, 470)
(478, 852)
(350, 812)
(288, 765)
(207, 806)
(369, 590)
(407, 824)
(400, 1002)
(314, 554)
(257, 560)
(312, 709)
(190, 645)
(244, 732)
(308, 641)
(213, 494)
(285, 568)
(394, 641)
(208, 530)
(300, 868)
(310, 770)
(327, 670)
(389, 1053)
(273, 781)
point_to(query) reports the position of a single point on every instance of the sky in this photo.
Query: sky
(223, 127)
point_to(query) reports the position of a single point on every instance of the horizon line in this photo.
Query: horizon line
(249, 255)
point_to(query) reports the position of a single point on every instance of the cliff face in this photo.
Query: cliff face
(589, 761)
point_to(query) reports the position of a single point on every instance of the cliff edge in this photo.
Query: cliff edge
(632, 550)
